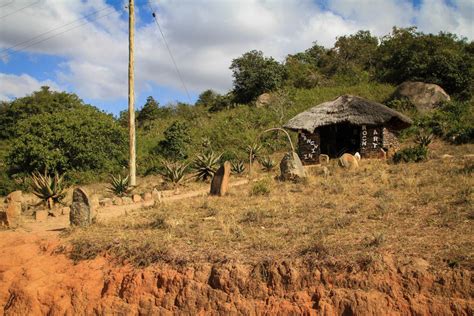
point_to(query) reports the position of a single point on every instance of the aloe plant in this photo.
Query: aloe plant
(423, 139)
(267, 163)
(237, 167)
(255, 150)
(119, 186)
(47, 188)
(174, 172)
(206, 164)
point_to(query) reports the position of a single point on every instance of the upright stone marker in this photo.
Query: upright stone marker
(14, 209)
(291, 167)
(80, 214)
(220, 181)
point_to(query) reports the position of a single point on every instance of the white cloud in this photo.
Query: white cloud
(206, 35)
(12, 86)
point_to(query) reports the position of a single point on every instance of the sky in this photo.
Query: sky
(81, 46)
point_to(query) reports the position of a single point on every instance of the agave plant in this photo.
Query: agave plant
(206, 165)
(237, 167)
(47, 188)
(174, 172)
(267, 163)
(423, 139)
(254, 149)
(119, 186)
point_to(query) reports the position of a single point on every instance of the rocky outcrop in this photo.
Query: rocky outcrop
(36, 280)
(424, 96)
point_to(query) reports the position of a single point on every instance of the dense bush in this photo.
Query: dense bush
(80, 139)
(39, 102)
(176, 142)
(411, 154)
(443, 59)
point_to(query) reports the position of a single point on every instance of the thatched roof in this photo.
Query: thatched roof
(347, 109)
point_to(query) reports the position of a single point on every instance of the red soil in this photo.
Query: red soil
(36, 279)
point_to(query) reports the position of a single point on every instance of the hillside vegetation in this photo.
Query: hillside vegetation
(55, 131)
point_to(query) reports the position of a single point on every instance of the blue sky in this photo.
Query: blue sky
(91, 60)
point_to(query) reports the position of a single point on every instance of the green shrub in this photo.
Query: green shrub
(177, 140)
(81, 139)
(261, 187)
(411, 154)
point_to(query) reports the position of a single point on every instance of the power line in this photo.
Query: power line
(52, 30)
(23, 8)
(57, 34)
(169, 50)
(6, 4)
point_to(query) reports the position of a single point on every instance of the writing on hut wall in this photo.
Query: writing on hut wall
(371, 138)
(312, 147)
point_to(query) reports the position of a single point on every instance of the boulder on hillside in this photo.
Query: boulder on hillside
(424, 96)
(263, 100)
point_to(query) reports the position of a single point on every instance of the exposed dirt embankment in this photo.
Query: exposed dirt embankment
(35, 279)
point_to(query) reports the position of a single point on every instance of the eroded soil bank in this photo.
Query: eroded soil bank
(36, 278)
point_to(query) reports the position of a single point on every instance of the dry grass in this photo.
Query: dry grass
(409, 210)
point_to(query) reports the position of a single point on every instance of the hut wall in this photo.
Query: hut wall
(309, 147)
(371, 141)
(390, 138)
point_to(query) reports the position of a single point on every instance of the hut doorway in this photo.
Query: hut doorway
(339, 139)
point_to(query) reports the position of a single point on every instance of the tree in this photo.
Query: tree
(42, 101)
(207, 98)
(80, 139)
(149, 112)
(176, 142)
(443, 59)
(255, 74)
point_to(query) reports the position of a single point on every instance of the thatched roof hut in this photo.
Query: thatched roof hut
(347, 124)
(347, 109)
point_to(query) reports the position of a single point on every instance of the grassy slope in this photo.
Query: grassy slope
(232, 130)
(409, 210)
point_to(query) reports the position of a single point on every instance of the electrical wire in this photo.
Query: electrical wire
(6, 4)
(57, 34)
(52, 30)
(23, 8)
(169, 51)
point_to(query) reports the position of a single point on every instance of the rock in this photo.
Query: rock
(105, 202)
(424, 96)
(263, 100)
(349, 161)
(324, 159)
(147, 197)
(136, 198)
(80, 214)
(220, 181)
(41, 215)
(446, 156)
(117, 201)
(291, 167)
(156, 195)
(13, 212)
(127, 200)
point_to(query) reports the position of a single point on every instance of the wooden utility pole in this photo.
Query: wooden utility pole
(131, 96)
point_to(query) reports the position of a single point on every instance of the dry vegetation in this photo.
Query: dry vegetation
(421, 210)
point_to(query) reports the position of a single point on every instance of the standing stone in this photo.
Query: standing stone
(14, 209)
(220, 181)
(291, 167)
(80, 214)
